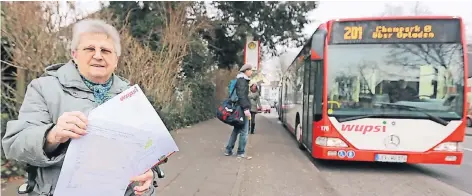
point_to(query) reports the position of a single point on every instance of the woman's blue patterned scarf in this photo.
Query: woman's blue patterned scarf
(100, 91)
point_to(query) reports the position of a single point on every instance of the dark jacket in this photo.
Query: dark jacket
(405, 94)
(242, 90)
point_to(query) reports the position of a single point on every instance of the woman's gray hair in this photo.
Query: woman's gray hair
(95, 26)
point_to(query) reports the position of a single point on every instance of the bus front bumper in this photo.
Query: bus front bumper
(349, 154)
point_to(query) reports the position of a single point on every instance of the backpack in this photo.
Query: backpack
(231, 90)
(229, 112)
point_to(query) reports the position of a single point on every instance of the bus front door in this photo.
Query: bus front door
(307, 103)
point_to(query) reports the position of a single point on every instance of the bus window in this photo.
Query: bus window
(317, 80)
(363, 76)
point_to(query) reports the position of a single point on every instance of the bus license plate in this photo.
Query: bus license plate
(391, 158)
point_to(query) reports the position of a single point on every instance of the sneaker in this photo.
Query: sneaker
(241, 155)
(228, 153)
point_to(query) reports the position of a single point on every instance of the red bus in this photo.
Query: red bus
(384, 89)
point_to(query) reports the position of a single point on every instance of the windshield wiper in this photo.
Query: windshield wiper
(413, 108)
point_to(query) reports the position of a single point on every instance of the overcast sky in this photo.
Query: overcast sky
(342, 9)
(345, 9)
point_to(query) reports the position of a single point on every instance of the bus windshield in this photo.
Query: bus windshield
(363, 79)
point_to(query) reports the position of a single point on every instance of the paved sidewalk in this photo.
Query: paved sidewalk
(277, 166)
(468, 131)
(11, 188)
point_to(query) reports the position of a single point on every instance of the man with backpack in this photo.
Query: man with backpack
(241, 90)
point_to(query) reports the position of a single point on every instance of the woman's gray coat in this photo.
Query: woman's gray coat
(59, 90)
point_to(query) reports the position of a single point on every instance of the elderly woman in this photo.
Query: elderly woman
(53, 108)
(255, 99)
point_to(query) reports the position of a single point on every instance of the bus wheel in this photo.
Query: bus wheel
(298, 136)
(469, 122)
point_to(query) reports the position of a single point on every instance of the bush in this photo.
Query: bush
(201, 106)
(9, 168)
(193, 104)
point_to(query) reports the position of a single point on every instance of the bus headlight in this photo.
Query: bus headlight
(330, 142)
(448, 146)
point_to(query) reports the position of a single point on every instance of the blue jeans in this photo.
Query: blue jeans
(242, 131)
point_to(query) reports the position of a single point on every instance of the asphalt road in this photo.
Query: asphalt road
(374, 179)
(457, 176)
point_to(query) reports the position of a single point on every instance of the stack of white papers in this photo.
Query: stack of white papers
(126, 137)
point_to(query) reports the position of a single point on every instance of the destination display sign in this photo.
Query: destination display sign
(396, 31)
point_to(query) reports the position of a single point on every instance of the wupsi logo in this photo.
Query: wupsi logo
(129, 94)
(364, 128)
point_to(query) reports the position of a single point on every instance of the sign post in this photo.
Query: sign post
(252, 53)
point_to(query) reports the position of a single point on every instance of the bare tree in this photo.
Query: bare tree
(420, 9)
(158, 72)
(406, 8)
(282, 62)
(437, 55)
(223, 76)
(392, 10)
(278, 65)
(30, 29)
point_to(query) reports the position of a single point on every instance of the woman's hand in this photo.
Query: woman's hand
(69, 125)
(144, 180)
(247, 113)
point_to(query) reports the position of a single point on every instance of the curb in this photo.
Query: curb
(277, 122)
(468, 134)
